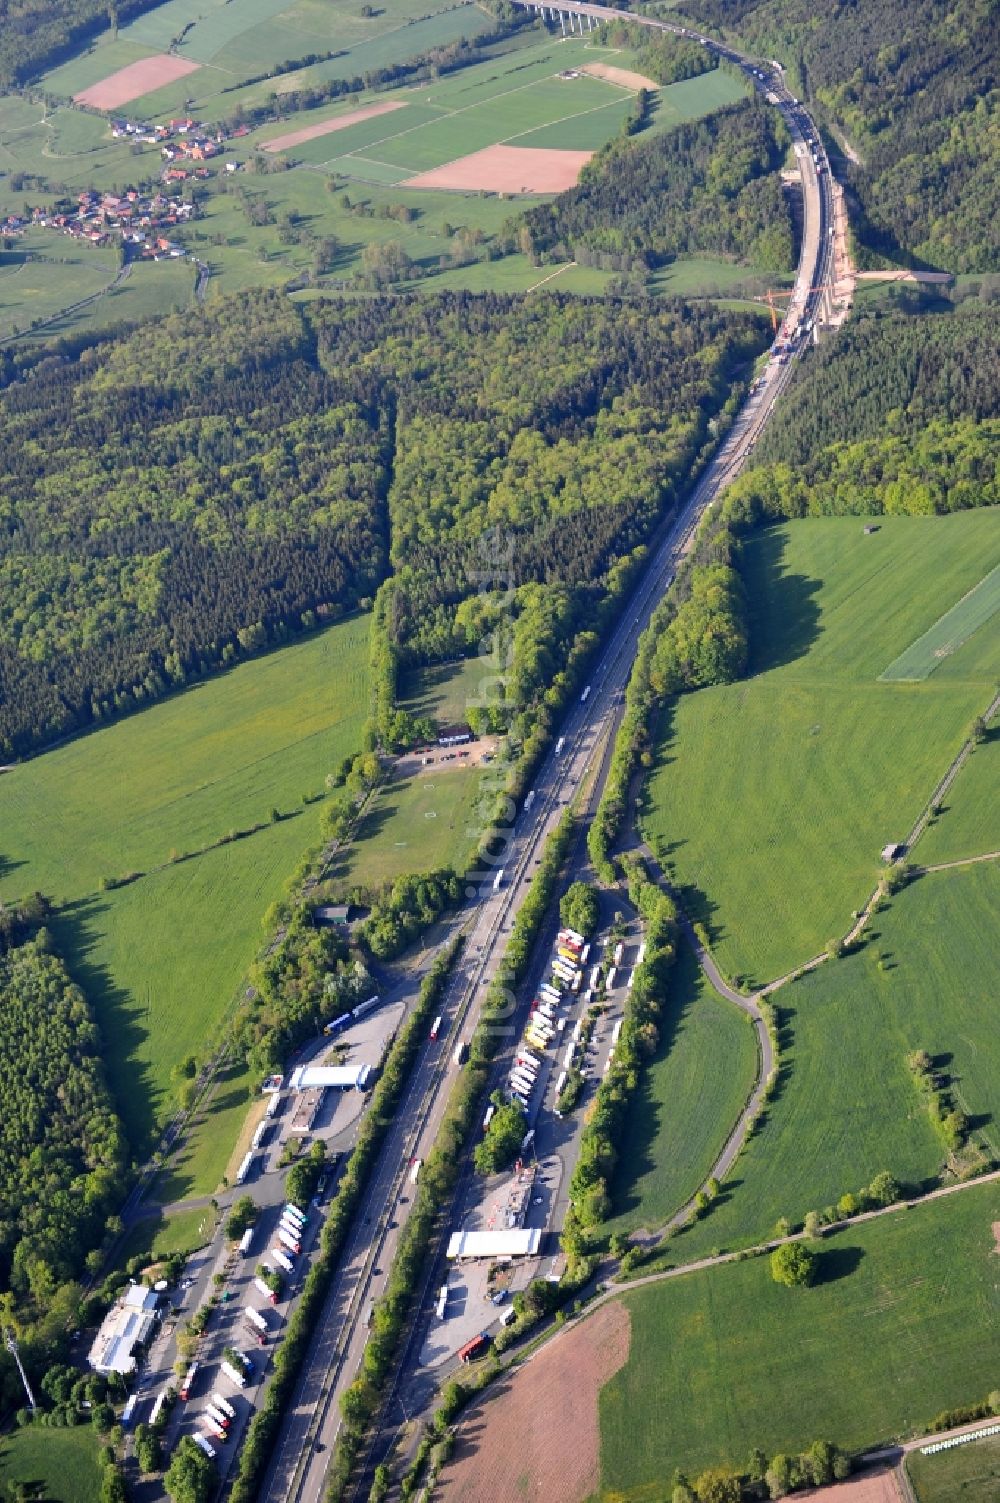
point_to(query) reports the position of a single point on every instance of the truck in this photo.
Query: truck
(572, 936)
(529, 800)
(474, 1348)
(568, 954)
(522, 1081)
(283, 1260)
(418, 1164)
(436, 1026)
(442, 1301)
(498, 880)
(234, 1374)
(366, 1007)
(619, 952)
(265, 1289)
(218, 1415)
(551, 993)
(610, 978)
(260, 1132)
(187, 1382)
(576, 983)
(223, 1404)
(560, 1082)
(560, 745)
(582, 957)
(568, 1056)
(288, 1240)
(459, 1053)
(488, 1118)
(245, 1166)
(246, 1242)
(289, 1222)
(204, 1444)
(256, 1319)
(291, 1209)
(585, 695)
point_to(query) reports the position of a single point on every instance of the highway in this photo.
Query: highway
(299, 1466)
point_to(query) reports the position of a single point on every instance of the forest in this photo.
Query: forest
(35, 33)
(914, 85)
(709, 186)
(902, 415)
(62, 1153)
(185, 495)
(661, 55)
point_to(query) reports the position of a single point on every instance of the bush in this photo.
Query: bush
(793, 1265)
(579, 908)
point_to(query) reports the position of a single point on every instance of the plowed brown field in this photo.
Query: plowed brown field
(507, 169)
(537, 1438)
(135, 80)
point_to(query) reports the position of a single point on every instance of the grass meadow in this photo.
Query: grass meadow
(162, 957)
(61, 1466)
(447, 690)
(771, 798)
(969, 821)
(968, 1474)
(415, 824)
(691, 1095)
(901, 1324)
(846, 1106)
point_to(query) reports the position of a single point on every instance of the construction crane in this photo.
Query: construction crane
(772, 294)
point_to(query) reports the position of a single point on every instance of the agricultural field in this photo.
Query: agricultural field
(967, 1474)
(44, 273)
(772, 798)
(691, 1095)
(969, 821)
(161, 958)
(925, 979)
(900, 1325)
(61, 1466)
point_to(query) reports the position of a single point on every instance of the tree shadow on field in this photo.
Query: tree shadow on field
(783, 615)
(119, 1015)
(834, 1263)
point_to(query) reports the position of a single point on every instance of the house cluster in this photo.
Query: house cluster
(142, 222)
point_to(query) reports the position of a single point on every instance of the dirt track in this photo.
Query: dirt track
(135, 80)
(538, 1436)
(507, 169)
(872, 1487)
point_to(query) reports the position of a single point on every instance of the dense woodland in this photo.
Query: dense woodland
(36, 33)
(62, 1154)
(661, 55)
(915, 86)
(896, 415)
(710, 186)
(184, 495)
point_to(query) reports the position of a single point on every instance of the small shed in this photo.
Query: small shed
(333, 913)
(870, 527)
(891, 852)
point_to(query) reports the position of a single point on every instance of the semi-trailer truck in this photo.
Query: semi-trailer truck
(287, 1240)
(204, 1444)
(265, 1289)
(234, 1374)
(283, 1260)
(474, 1348)
(223, 1404)
(187, 1382)
(255, 1318)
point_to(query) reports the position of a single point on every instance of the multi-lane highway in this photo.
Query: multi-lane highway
(299, 1466)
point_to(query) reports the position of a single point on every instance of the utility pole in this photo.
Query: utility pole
(10, 1341)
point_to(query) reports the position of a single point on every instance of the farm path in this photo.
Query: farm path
(947, 866)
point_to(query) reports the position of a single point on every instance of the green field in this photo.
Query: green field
(159, 1236)
(901, 1326)
(846, 1106)
(969, 822)
(924, 656)
(415, 825)
(967, 1474)
(162, 957)
(447, 691)
(60, 1466)
(773, 797)
(45, 273)
(691, 1095)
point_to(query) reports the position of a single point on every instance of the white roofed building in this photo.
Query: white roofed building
(128, 1324)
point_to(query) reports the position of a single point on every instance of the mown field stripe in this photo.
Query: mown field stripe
(950, 632)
